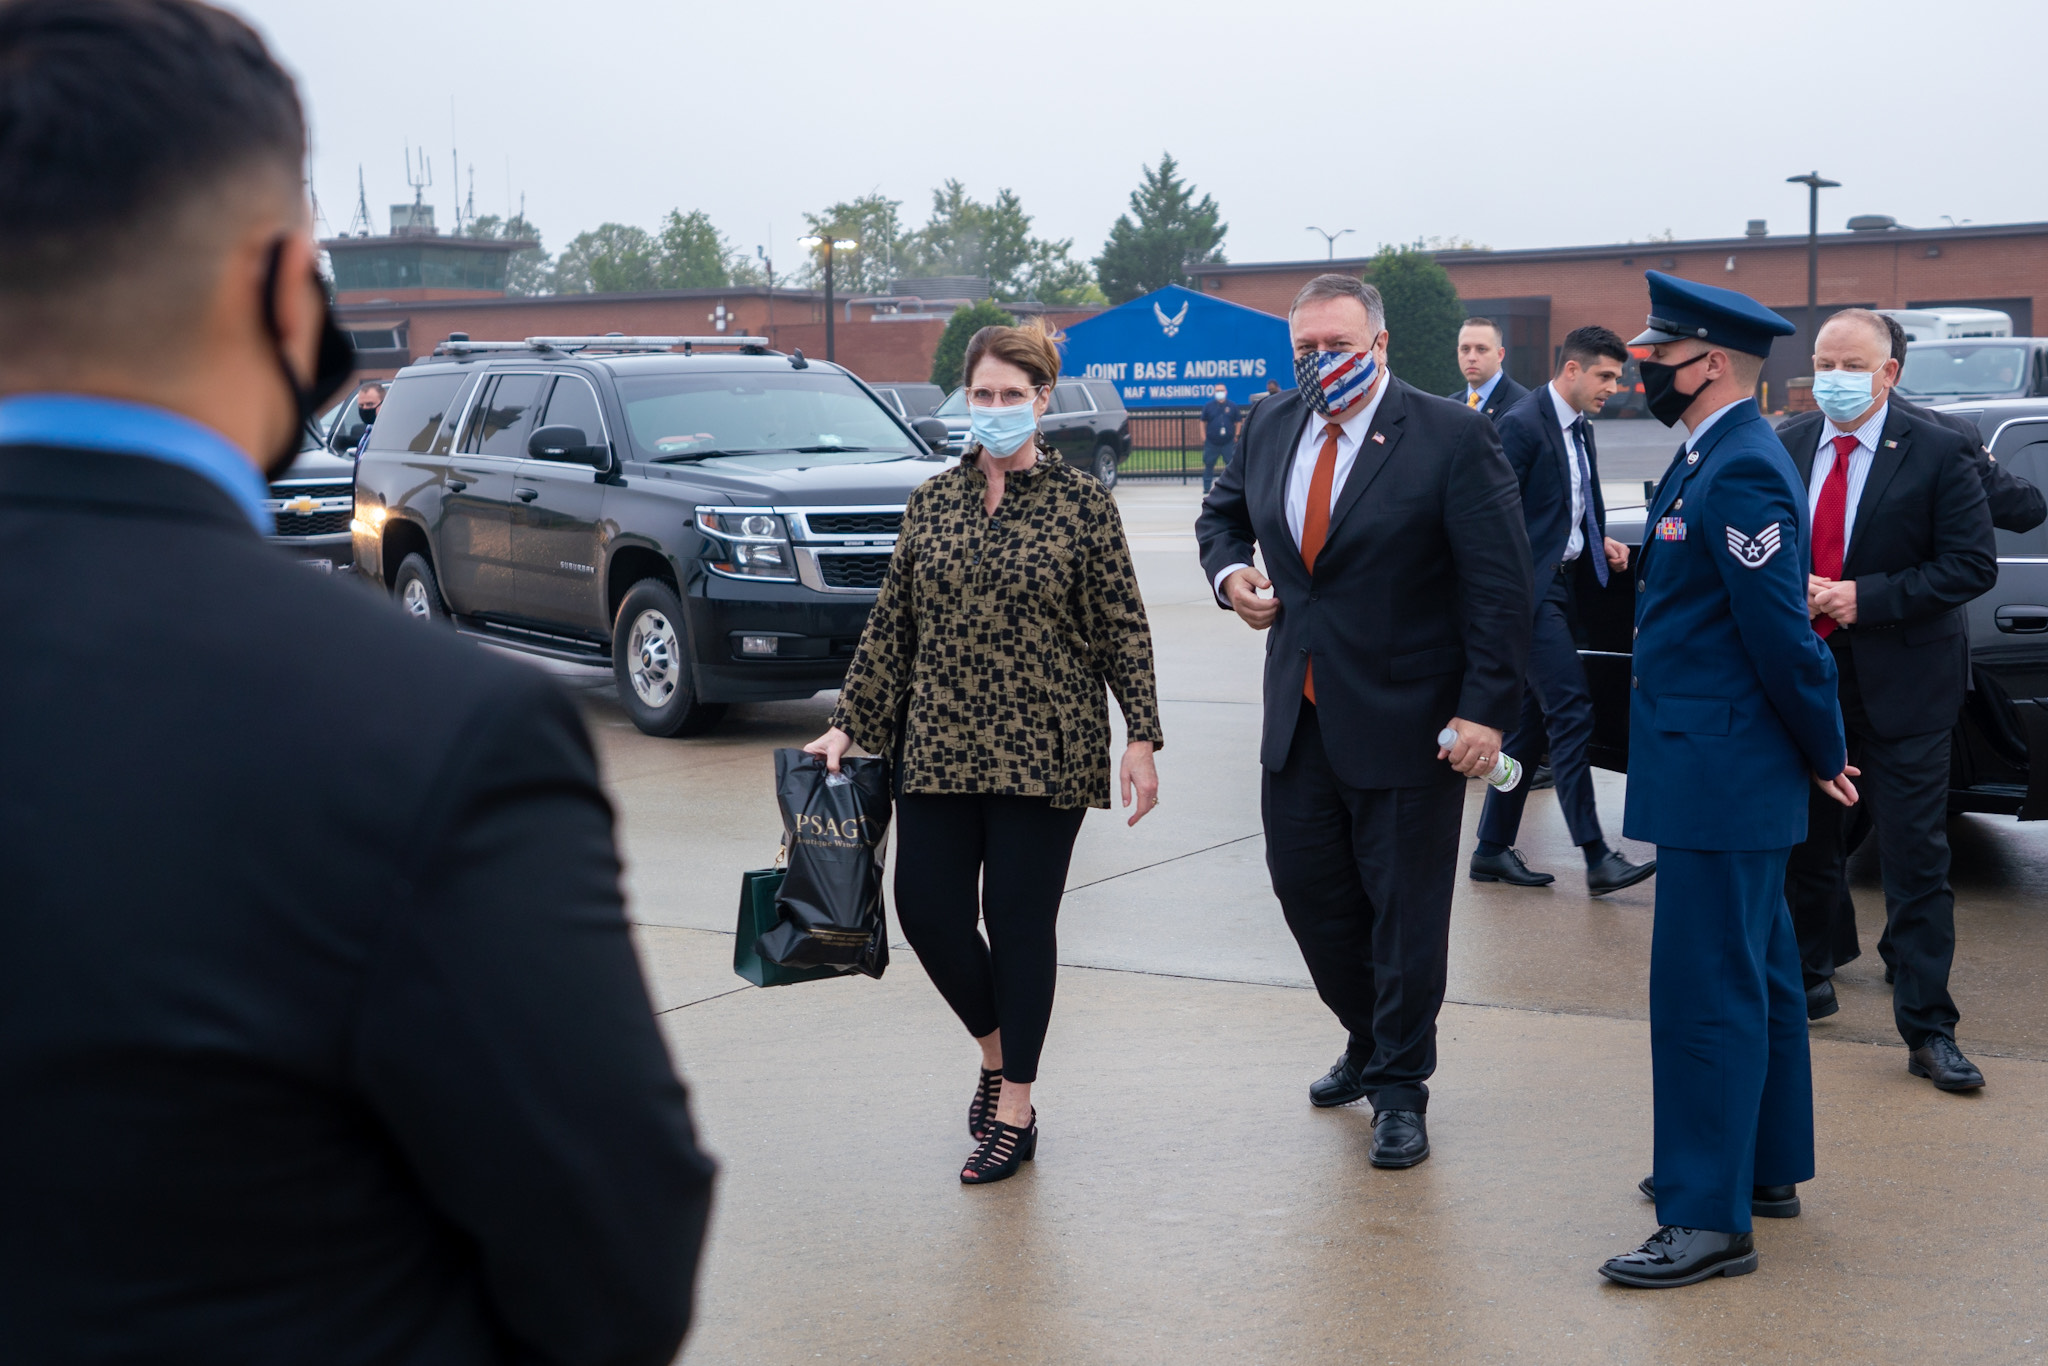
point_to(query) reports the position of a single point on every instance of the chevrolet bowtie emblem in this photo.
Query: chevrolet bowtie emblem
(305, 505)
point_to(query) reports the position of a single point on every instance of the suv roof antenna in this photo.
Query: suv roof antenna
(797, 361)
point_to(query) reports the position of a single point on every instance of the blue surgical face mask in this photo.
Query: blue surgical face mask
(1001, 431)
(1843, 395)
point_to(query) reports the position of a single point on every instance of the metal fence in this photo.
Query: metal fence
(1166, 443)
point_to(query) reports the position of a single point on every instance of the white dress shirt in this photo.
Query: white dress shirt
(1574, 457)
(1859, 466)
(1356, 424)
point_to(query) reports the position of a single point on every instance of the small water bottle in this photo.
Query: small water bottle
(1506, 771)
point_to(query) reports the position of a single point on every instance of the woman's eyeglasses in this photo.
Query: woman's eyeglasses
(1000, 398)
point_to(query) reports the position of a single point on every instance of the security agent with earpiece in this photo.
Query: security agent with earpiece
(1732, 714)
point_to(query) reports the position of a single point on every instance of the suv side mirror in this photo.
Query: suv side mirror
(932, 432)
(568, 444)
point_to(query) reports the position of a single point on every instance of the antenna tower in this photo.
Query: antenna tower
(419, 177)
(360, 225)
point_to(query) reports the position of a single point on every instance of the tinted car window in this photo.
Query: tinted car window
(1069, 398)
(1938, 370)
(684, 415)
(413, 411)
(499, 427)
(1106, 397)
(2029, 462)
(955, 404)
(574, 404)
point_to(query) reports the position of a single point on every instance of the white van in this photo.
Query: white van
(1941, 324)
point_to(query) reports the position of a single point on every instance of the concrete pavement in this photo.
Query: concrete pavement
(1188, 1204)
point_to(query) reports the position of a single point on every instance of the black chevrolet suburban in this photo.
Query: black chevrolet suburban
(707, 516)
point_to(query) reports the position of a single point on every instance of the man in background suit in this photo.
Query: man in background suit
(1481, 353)
(311, 1049)
(2016, 505)
(1902, 543)
(1392, 531)
(1549, 441)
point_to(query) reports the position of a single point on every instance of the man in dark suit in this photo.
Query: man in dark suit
(321, 1034)
(1549, 442)
(1481, 354)
(1392, 532)
(1902, 542)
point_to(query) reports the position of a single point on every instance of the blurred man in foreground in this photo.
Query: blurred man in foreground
(321, 1035)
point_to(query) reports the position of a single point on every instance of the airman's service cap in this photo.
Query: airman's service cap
(1680, 309)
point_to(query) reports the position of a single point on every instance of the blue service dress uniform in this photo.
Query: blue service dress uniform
(1732, 709)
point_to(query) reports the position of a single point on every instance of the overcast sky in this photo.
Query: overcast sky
(1514, 124)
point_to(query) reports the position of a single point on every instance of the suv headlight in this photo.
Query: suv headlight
(749, 544)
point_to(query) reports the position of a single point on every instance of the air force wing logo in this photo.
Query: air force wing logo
(1754, 552)
(1171, 325)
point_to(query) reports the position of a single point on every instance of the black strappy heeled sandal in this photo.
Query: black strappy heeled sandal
(1006, 1148)
(982, 1108)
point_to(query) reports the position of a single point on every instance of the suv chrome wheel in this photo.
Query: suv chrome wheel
(655, 657)
(414, 598)
(1105, 465)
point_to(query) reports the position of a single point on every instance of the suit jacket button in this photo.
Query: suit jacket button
(1642, 586)
(1632, 680)
(1315, 597)
(1304, 649)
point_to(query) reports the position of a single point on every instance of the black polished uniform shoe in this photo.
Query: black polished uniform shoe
(1765, 1202)
(1341, 1085)
(1941, 1062)
(1541, 777)
(1820, 1000)
(1400, 1138)
(1507, 866)
(1614, 872)
(1682, 1256)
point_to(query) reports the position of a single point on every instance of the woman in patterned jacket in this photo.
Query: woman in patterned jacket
(1010, 602)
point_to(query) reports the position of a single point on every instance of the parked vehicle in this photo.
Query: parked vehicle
(312, 503)
(2001, 749)
(1087, 424)
(714, 526)
(1943, 324)
(1980, 368)
(910, 401)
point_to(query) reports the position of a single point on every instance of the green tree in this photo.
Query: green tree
(872, 224)
(994, 242)
(960, 329)
(1166, 228)
(611, 259)
(1423, 313)
(690, 253)
(526, 273)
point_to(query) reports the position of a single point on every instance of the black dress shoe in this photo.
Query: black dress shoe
(1820, 1000)
(1941, 1062)
(1765, 1202)
(1507, 866)
(1614, 872)
(1541, 777)
(1341, 1085)
(1400, 1138)
(1682, 1256)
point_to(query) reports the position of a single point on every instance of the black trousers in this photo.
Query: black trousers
(1364, 876)
(1905, 784)
(1002, 861)
(1556, 701)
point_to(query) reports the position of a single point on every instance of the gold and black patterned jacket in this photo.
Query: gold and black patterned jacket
(988, 647)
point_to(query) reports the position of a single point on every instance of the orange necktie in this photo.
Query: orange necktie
(1315, 521)
(1472, 399)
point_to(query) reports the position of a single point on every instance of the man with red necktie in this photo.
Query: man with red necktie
(1391, 527)
(1902, 540)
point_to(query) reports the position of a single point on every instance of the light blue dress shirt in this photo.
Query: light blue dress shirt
(1485, 391)
(105, 424)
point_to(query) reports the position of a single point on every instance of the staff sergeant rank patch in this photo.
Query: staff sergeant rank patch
(1753, 552)
(1671, 529)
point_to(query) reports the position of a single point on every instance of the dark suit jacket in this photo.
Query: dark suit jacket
(321, 1035)
(2016, 505)
(1922, 548)
(1420, 607)
(1505, 395)
(1535, 446)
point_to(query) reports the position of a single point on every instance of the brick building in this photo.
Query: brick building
(1539, 295)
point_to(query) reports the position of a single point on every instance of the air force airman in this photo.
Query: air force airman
(1732, 712)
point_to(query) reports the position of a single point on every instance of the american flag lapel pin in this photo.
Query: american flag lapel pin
(1380, 437)
(1891, 445)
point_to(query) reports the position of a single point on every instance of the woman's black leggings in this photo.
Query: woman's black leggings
(1002, 860)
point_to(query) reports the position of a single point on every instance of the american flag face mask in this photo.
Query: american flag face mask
(1335, 381)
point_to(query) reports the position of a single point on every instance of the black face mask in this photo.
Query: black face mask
(1660, 389)
(366, 413)
(331, 368)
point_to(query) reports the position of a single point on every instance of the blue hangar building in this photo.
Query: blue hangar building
(1172, 347)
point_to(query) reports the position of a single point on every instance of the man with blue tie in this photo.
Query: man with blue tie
(1549, 441)
(1731, 713)
(1482, 355)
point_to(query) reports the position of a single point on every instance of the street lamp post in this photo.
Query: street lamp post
(1330, 238)
(828, 243)
(1814, 183)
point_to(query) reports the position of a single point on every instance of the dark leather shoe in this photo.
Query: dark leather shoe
(1765, 1202)
(1614, 872)
(1541, 777)
(1400, 1138)
(1508, 866)
(1941, 1062)
(1682, 1256)
(1340, 1085)
(1820, 1000)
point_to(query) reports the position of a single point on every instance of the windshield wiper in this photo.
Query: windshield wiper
(826, 450)
(683, 457)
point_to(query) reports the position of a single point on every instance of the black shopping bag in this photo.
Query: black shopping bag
(757, 916)
(837, 827)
